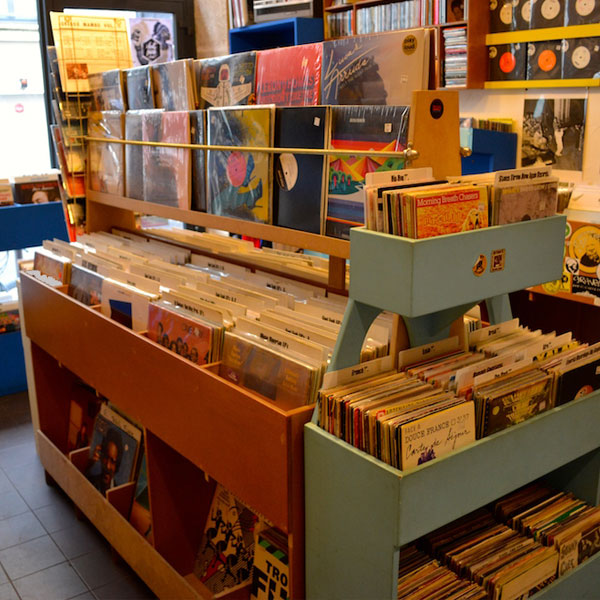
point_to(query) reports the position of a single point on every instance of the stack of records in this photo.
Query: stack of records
(455, 56)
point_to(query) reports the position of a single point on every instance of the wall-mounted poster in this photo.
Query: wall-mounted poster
(152, 40)
(553, 132)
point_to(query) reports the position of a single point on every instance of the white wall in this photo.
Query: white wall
(509, 104)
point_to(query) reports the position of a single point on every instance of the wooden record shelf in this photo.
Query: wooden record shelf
(196, 423)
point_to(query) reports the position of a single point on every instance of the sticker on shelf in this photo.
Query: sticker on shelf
(480, 265)
(498, 260)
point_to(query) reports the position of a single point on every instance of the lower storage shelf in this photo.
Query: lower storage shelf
(370, 510)
(161, 577)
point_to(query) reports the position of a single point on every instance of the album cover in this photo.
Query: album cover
(582, 12)
(108, 91)
(140, 88)
(198, 136)
(82, 414)
(226, 80)
(548, 13)
(270, 569)
(503, 15)
(289, 76)
(167, 172)
(544, 60)
(382, 68)
(190, 338)
(553, 133)
(85, 285)
(522, 15)
(383, 128)
(107, 161)
(134, 176)
(581, 58)
(36, 189)
(578, 382)
(125, 304)
(113, 450)
(50, 264)
(140, 516)
(508, 62)
(174, 85)
(299, 186)
(525, 202)
(226, 550)
(240, 183)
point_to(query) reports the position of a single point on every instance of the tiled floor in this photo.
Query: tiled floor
(45, 552)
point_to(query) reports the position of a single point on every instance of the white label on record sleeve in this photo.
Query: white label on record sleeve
(317, 121)
(287, 171)
(387, 128)
(584, 7)
(581, 57)
(506, 13)
(550, 9)
(526, 11)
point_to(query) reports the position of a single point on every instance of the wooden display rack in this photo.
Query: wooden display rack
(359, 510)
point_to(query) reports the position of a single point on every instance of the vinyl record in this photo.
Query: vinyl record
(544, 60)
(581, 58)
(502, 15)
(547, 13)
(508, 62)
(582, 12)
(523, 14)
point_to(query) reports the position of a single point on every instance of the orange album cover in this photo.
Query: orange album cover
(440, 212)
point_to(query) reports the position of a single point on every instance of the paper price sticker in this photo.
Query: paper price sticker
(480, 266)
(498, 260)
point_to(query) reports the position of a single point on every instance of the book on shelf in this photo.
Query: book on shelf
(226, 80)
(240, 182)
(300, 182)
(114, 450)
(383, 128)
(289, 76)
(224, 559)
(380, 68)
(166, 171)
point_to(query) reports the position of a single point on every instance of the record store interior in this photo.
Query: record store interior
(300, 299)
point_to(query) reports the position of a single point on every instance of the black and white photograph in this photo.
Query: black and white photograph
(553, 132)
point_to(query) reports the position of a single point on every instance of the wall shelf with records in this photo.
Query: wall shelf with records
(508, 44)
(354, 531)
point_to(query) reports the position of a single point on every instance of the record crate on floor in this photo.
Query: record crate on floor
(359, 510)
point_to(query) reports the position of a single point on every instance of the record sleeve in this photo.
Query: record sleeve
(113, 450)
(525, 202)
(198, 136)
(548, 13)
(383, 128)
(226, 80)
(107, 161)
(503, 15)
(299, 186)
(544, 60)
(240, 183)
(383, 68)
(108, 91)
(82, 414)
(582, 12)
(85, 285)
(581, 58)
(508, 62)
(140, 516)
(578, 382)
(174, 85)
(289, 76)
(523, 15)
(140, 88)
(134, 175)
(167, 172)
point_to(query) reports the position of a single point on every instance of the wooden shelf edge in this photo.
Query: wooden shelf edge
(539, 35)
(293, 237)
(541, 83)
(131, 546)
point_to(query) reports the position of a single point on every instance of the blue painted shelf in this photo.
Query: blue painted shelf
(23, 226)
(273, 34)
(359, 510)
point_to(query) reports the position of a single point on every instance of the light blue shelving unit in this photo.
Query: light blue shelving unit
(359, 510)
(23, 226)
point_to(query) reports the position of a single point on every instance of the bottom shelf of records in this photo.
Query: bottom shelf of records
(204, 439)
(371, 509)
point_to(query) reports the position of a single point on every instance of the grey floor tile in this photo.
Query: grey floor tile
(3, 577)
(127, 588)
(56, 583)
(11, 504)
(37, 494)
(84, 596)
(35, 555)
(14, 436)
(98, 568)
(56, 516)
(7, 592)
(78, 539)
(19, 529)
(18, 456)
(5, 483)
(25, 474)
